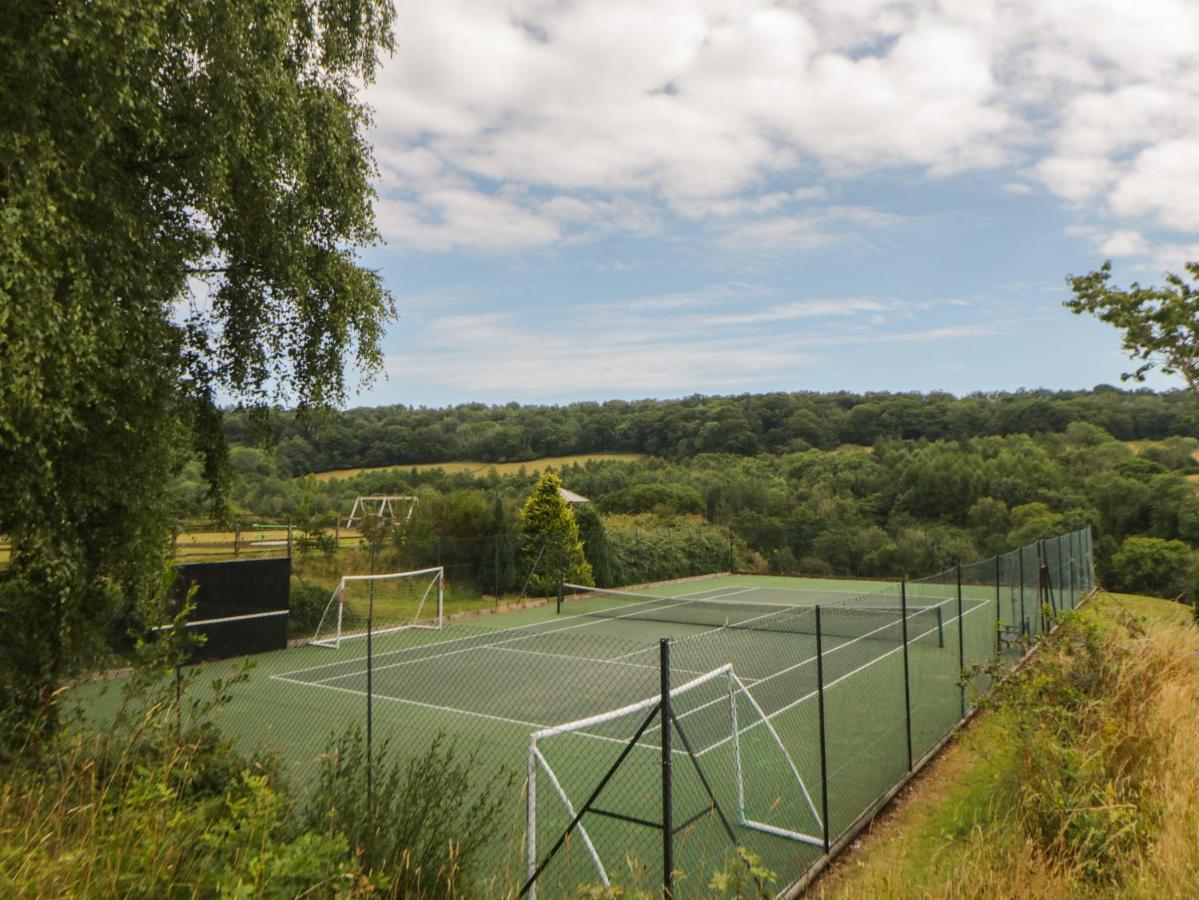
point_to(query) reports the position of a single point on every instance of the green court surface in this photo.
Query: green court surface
(751, 731)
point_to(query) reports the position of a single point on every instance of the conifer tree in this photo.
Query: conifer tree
(551, 549)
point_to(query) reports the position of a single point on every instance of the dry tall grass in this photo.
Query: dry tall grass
(1083, 781)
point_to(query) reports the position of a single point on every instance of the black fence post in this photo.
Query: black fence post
(907, 681)
(961, 646)
(1023, 614)
(823, 743)
(667, 800)
(1061, 579)
(998, 608)
(1075, 569)
(370, 694)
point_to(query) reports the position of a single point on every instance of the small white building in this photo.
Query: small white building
(571, 497)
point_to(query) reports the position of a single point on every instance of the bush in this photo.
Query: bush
(154, 807)
(1094, 732)
(432, 816)
(647, 548)
(1147, 565)
(308, 602)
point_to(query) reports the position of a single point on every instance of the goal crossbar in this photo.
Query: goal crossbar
(735, 689)
(347, 615)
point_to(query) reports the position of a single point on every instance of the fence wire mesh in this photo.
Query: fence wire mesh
(795, 706)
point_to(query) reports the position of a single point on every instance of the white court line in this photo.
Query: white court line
(808, 696)
(498, 644)
(448, 709)
(482, 635)
(456, 711)
(592, 659)
(811, 659)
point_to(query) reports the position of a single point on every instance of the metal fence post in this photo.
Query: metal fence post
(998, 608)
(370, 694)
(1061, 581)
(961, 646)
(667, 800)
(1023, 614)
(823, 742)
(907, 681)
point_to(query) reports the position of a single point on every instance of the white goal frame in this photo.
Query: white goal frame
(336, 607)
(537, 762)
(381, 507)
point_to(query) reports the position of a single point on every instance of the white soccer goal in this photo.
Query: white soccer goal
(390, 509)
(383, 603)
(737, 745)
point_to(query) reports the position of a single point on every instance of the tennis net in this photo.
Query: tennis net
(884, 623)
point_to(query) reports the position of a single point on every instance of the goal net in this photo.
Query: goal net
(382, 604)
(589, 779)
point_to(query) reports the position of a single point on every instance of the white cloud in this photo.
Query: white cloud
(727, 336)
(798, 309)
(1163, 182)
(1124, 243)
(507, 127)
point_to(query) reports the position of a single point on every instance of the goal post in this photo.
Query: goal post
(737, 752)
(393, 601)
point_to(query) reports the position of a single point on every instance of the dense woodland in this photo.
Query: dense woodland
(745, 425)
(840, 484)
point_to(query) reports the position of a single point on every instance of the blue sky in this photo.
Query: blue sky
(620, 199)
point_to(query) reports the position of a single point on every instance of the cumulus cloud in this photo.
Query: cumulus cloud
(508, 127)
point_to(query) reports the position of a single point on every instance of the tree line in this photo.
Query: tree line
(744, 425)
(898, 507)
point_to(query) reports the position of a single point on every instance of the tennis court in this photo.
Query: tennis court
(747, 756)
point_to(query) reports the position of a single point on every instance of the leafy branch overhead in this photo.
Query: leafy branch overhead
(1160, 325)
(183, 184)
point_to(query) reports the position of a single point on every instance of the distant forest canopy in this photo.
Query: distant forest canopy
(744, 424)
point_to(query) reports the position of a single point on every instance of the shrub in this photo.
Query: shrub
(1147, 565)
(431, 819)
(1088, 754)
(308, 602)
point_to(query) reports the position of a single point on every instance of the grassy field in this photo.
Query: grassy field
(492, 681)
(482, 468)
(951, 834)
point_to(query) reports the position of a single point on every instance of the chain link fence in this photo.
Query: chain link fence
(710, 731)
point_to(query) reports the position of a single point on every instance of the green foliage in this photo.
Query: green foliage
(552, 551)
(647, 548)
(146, 148)
(307, 605)
(595, 543)
(663, 499)
(1160, 325)
(1083, 755)
(1033, 522)
(430, 821)
(743, 876)
(1148, 565)
(772, 424)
